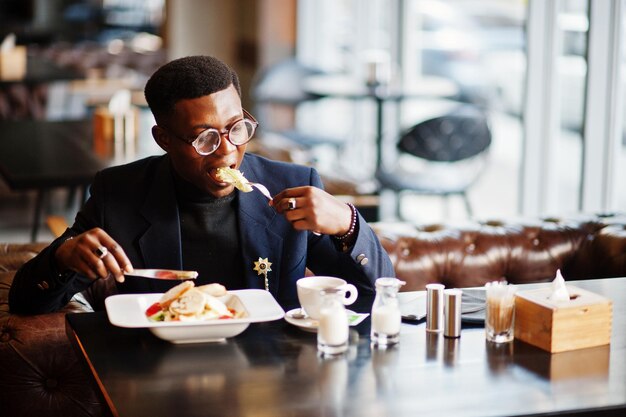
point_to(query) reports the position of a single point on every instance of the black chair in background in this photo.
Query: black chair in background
(442, 156)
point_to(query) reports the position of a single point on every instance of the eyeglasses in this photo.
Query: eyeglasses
(210, 139)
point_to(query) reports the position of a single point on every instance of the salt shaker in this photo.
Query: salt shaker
(434, 308)
(333, 330)
(386, 316)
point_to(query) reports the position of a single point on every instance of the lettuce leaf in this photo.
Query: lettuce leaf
(235, 177)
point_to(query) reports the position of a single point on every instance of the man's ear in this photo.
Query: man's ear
(161, 137)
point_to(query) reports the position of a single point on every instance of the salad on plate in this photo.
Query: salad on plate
(187, 302)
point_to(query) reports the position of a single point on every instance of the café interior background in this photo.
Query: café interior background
(541, 160)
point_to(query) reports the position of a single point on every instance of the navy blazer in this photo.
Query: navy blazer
(136, 205)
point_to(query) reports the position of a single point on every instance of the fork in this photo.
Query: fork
(262, 188)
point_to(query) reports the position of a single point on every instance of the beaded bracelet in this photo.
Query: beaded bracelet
(353, 220)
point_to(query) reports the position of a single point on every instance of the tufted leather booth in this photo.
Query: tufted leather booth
(521, 251)
(41, 375)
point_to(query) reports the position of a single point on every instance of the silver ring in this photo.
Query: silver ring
(291, 204)
(101, 252)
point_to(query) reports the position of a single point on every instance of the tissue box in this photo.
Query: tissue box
(558, 326)
(13, 63)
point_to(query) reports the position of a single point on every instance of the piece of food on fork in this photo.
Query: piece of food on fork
(235, 177)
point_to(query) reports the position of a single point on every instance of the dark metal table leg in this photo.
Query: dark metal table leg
(37, 218)
(379, 132)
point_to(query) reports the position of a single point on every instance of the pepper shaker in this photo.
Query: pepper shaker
(452, 312)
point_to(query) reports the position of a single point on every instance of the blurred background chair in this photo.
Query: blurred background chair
(278, 93)
(441, 156)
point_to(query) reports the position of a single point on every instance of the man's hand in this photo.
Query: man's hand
(311, 208)
(93, 254)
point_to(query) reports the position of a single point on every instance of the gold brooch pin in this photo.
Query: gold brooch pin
(262, 267)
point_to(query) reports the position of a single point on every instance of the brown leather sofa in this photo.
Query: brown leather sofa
(522, 251)
(41, 375)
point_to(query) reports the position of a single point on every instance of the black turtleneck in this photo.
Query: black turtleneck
(210, 235)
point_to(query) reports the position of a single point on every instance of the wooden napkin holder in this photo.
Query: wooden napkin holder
(557, 326)
(13, 63)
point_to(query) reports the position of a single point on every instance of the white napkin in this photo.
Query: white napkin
(559, 290)
(8, 43)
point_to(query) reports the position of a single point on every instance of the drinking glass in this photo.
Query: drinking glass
(500, 311)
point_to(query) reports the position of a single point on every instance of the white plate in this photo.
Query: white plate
(413, 303)
(128, 310)
(310, 325)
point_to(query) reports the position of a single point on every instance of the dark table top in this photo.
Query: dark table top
(273, 369)
(44, 154)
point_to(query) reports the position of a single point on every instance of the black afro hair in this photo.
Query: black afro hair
(187, 78)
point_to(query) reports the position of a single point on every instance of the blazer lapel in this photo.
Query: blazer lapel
(160, 245)
(258, 241)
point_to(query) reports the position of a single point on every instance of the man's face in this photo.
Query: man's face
(219, 111)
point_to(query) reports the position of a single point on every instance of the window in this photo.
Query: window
(537, 164)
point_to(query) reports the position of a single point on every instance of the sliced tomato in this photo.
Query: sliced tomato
(166, 274)
(153, 309)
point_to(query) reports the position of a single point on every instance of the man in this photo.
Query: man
(174, 211)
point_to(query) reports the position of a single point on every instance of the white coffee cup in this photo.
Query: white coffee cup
(309, 292)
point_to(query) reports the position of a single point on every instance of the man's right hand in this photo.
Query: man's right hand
(93, 254)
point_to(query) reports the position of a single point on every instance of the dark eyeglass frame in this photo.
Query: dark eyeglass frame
(246, 117)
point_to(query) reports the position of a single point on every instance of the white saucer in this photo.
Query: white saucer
(310, 325)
